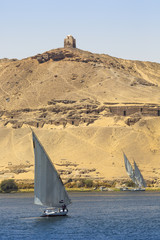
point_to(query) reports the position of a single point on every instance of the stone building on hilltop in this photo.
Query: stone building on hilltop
(70, 41)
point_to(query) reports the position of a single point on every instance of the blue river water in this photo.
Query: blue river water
(100, 216)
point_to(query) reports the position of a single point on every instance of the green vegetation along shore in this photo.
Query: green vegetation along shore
(78, 185)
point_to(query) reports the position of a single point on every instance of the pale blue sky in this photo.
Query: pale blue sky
(128, 29)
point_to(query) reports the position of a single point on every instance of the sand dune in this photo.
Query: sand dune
(93, 147)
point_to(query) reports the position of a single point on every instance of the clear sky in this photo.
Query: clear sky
(128, 29)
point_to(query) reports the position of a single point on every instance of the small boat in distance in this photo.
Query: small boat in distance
(135, 175)
(49, 190)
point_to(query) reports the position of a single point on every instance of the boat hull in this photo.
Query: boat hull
(133, 189)
(54, 214)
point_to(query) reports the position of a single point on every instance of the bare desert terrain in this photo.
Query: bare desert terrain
(86, 109)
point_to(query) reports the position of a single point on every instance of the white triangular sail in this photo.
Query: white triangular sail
(48, 187)
(129, 169)
(138, 176)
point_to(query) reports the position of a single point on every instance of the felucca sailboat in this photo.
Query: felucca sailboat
(135, 175)
(49, 190)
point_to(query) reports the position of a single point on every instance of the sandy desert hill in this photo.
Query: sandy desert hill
(86, 109)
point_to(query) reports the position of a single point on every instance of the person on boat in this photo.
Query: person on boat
(64, 208)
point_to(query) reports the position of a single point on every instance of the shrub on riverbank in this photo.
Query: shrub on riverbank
(88, 183)
(130, 183)
(25, 185)
(80, 183)
(8, 186)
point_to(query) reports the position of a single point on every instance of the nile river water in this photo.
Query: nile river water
(101, 216)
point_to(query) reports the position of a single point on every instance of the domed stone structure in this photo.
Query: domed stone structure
(70, 41)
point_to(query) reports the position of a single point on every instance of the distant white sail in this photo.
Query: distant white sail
(129, 169)
(138, 176)
(48, 187)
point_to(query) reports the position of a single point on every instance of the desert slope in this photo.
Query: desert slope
(76, 75)
(65, 95)
(92, 152)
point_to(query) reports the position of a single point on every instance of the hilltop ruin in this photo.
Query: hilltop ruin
(70, 41)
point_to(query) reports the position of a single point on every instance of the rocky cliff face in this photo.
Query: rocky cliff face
(84, 106)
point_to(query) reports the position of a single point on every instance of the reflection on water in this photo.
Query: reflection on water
(91, 216)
